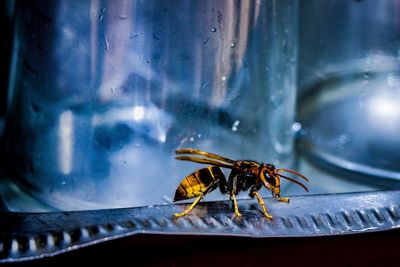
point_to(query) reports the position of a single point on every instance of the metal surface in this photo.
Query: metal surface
(28, 236)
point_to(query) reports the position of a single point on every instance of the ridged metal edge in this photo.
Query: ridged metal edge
(28, 236)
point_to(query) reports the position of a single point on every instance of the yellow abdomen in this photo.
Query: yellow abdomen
(196, 183)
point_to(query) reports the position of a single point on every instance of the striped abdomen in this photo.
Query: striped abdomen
(196, 183)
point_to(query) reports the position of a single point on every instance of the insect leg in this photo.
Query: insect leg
(254, 193)
(233, 196)
(261, 202)
(235, 206)
(281, 199)
(211, 186)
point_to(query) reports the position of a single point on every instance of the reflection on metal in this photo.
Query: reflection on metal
(28, 236)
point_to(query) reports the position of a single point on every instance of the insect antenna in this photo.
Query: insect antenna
(293, 181)
(293, 172)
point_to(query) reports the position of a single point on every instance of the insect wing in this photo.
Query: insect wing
(204, 153)
(196, 183)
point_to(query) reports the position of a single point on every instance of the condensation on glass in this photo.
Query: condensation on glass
(349, 82)
(103, 92)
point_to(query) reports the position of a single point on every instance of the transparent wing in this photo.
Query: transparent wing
(205, 157)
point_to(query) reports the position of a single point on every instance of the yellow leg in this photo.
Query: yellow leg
(177, 215)
(264, 209)
(235, 206)
(283, 199)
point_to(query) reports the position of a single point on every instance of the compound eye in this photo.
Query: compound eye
(269, 179)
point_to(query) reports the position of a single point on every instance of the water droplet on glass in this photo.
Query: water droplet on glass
(213, 29)
(223, 78)
(296, 127)
(191, 139)
(101, 16)
(137, 145)
(366, 75)
(63, 183)
(276, 100)
(235, 125)
(233, 45)
(199, 135)
(107, 44)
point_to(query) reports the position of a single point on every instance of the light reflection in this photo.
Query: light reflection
(145, 119)
(138, 113)
(384, 112)
(65, 136)
(384, 108)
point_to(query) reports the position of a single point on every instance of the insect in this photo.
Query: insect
(245, 175)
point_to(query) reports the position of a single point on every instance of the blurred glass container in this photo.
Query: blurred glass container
(349, 87)
(103, 92)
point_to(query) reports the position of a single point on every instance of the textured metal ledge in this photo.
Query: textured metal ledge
(27, 236)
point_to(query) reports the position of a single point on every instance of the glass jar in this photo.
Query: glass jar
(349, 83)
(103, 92)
